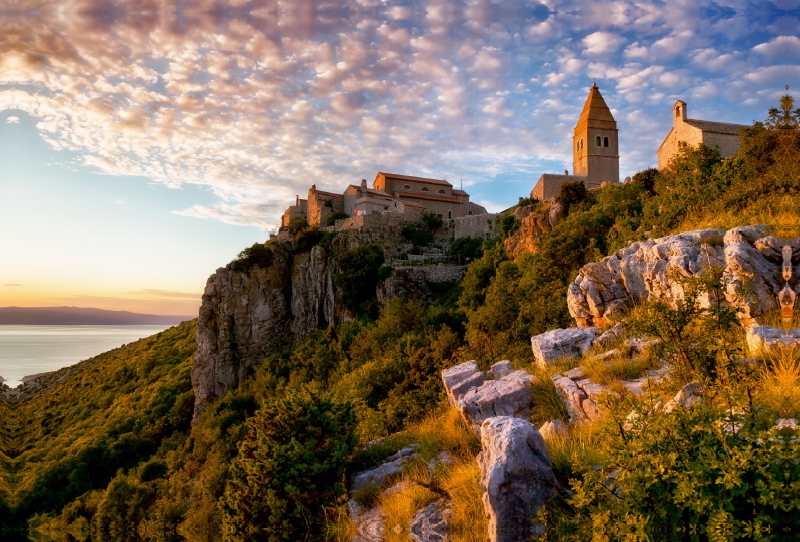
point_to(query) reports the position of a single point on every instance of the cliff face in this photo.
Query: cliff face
(247, 316)
(536, 221)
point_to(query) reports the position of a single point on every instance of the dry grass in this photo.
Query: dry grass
(779, 388)
(578, 447)
(619, 367)
(468, 522)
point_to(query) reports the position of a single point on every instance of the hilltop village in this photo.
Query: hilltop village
(595, 161)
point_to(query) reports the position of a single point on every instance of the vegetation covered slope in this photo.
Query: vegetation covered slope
(159, 480)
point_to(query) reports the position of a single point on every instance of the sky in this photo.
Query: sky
(143, 144)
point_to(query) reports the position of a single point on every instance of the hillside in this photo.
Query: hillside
(106, 450)
(78, 316)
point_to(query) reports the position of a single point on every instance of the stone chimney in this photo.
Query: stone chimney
(364, 183)
(297, 200)
(566, 173)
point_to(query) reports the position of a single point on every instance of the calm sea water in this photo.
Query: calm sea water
(28, 350)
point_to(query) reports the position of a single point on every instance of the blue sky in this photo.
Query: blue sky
(142, 147)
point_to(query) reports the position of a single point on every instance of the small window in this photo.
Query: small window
(406, 187)
(470, 212)
(578, 146)
(374, 207)
(441, 191)
(449, 214)
(605, 142)
(424, 188)
(597, 141)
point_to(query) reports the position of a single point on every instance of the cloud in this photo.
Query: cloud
(12, 120)
(256, 108)
(602, 42)
(164, 294)
(12, 284)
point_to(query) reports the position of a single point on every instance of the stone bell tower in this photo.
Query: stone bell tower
(595, 144)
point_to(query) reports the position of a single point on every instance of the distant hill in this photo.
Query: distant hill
(76, 316)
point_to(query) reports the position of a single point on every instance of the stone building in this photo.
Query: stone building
(322, 204)
(437, 196)
(362, 200)
(595, 150)
(693, 132)
(300, 208)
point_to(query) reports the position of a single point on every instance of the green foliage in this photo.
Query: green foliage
(419, 237)
(572, 193)
(290, 466)
(333, 217)
(308, 238)
(297, 223)
(432, 221)
(360, 271)
(508, 225)
(467, 248)
(259, 255)
(705, 473)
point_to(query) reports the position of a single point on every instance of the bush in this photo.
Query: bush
(508, 225)
(333, 217)
(572, 193)
(297, 223)
(360, 270)
(290, 467)
(417, 236)
(307, 238)
(259, 255)
(432, 221)
(467, 248)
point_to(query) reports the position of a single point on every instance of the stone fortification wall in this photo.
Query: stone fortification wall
(378, 220)
(480, 226)
(413, 282)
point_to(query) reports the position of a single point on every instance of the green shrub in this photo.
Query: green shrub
(508, 225)
(432, 221)
(467, 248)
(290, 466)
(419, 237)
(308, 238)
(298, 223)
(572, 193)
(360, 270)
(257, 255)
(333, 217)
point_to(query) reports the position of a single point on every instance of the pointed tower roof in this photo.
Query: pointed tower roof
(595, 112)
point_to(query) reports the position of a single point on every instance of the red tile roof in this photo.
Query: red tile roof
(410, 178)
(409, 195)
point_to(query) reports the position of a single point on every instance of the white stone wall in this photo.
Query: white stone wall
(479, 226)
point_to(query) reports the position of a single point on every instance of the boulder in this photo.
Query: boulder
(494, 398)
(390, 468)
(369, 523)
(556, 428)
(610, 336)
(562, 343)
(429, 524)
(516, 478)
(441, 459)
(579, 395)
(501, 369)
(688, 396)
(769, 340)
(522, 376)
(460, 379)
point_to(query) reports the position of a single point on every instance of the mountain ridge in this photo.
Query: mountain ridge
(86, 316)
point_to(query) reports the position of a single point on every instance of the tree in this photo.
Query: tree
(290, 466)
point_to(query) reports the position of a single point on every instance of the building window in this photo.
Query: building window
(470, 212)
(597, 141)
(441, 191)
(424, 188)
(406, 187)
(449, 214)
(374, 207)
(605, 142)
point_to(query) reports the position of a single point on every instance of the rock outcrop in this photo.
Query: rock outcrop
(414, 282)
(458, 380)
(246, 316)
(580, 395)
(430, 523)
(494, 398)
(390, 469)
(562, 343)
(516, 478)
(760, 273)
(536, 221)
(768, 340)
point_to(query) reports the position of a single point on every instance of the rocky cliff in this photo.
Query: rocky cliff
(760, 272)
(536, 221)
(249, 315)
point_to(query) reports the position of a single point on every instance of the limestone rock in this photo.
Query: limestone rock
(516, 478)
(460, 379)
(441, 459)
(494, 398)
(769, 340)
(383, 473)
(501, 369)
(580, 395)
(554, 428)
(522, 376)
(430, 523)
(610, 336)
(758, 270)
(562, 343)
(370, 523)
(688, 396)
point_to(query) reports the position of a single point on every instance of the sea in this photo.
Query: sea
(30, 350)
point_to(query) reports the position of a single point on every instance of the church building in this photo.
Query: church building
(693, 132)
(595, 150)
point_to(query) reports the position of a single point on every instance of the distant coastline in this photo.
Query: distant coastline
(78, 316)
